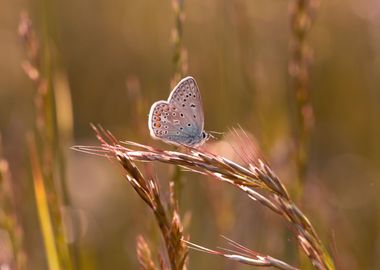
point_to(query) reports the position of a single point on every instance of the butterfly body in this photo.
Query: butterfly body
(180, 119)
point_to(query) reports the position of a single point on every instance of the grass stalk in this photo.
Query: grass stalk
(244, 255)
(257, 180)
(180, 69)
(167, 216)
(8, 218)
(180, 53)
(43, 207)
(301, 19)
(144, 254)
(39, 68)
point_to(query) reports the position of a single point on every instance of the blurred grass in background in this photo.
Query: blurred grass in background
(116, 59)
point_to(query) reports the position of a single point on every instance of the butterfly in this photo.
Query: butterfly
(180, 119)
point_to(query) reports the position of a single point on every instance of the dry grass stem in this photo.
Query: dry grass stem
(47, 138)
(301, 18)
(244, 255)
(148, 189)
(43, 208)
(9, 221)
(253, 180)
(144, 254)
(180, 53)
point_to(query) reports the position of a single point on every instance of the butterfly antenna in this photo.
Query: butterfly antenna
(216, 132)
(210, 136)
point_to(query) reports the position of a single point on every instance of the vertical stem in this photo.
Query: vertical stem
(56, 179)
(39, 68)
(9, 220)
(180, 69)
(180, 53)
(301, 19)
(43, 208)
(299, 67)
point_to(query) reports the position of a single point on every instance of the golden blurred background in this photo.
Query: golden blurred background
(108, 61)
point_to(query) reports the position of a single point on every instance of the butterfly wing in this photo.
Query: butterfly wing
(187, 98)
(165, 123)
